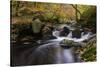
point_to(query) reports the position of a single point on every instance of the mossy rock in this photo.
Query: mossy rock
(88, 52)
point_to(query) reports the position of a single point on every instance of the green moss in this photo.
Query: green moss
(89, 52)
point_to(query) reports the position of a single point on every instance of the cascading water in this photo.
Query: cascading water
(56, 33)
(54, 53)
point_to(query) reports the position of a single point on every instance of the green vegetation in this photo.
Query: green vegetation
(22, 13)
(89, 51)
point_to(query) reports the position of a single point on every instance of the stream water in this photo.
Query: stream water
(54, 53)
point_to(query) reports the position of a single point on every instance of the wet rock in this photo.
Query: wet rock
(76, 33)
(64, 32)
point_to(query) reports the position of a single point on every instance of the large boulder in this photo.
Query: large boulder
(36, 25)
(65, 31)
(76, 33)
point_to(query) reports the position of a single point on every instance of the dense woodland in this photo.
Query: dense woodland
(23, 12)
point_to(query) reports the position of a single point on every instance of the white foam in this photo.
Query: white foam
(69, 37)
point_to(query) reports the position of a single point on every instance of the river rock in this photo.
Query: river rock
(76, 33)
(65, 31)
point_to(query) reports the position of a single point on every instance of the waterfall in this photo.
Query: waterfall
(83, 37)
(53, 52)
